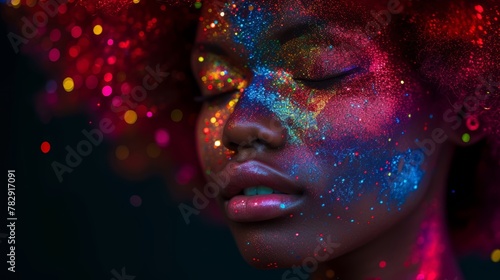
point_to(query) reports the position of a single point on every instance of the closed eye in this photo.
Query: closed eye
(329, 81)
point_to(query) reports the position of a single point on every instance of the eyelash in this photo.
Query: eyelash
(328, 82)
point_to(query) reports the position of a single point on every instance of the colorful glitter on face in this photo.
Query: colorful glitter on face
(217, 76)
(324, 104)
(288, 92)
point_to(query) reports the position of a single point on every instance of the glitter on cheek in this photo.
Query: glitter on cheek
(359, 168)
(216, 76)
(214, 117)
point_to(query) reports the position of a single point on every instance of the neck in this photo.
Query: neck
(416, 248)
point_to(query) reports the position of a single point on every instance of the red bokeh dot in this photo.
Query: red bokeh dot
(76, 31)
(108, 77)
(45, 147)
(82, 65)
(382, 264)
(54, 55)
(74, 51)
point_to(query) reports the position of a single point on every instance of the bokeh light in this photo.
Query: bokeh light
(76, 31)
(122, 152)
(130, 117)
(45, 147)
(162, 137)
(136, 200)
(153, 150)
(97, 29)
(466, 137)
(91, 82)
(176, 115)
(68, 84)
(108, 77)
(382, 264)
(54, 55)
(495, 255)
(55, 35)
(107, 91)
(15, 3)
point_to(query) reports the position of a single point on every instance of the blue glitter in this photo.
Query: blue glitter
(263, 91)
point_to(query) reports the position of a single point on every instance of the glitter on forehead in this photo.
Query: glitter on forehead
(249, 24)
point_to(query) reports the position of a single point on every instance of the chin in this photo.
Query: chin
(277, 244)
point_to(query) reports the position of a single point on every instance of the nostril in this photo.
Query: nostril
(246, 130)
(232, 146)
(251, 143)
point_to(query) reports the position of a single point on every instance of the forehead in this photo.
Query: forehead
(222, 20)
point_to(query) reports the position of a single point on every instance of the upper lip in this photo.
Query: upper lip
(252, 174)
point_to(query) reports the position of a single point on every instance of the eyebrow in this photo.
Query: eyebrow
(298, 29)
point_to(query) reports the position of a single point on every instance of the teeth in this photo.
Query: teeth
(250, 191)
(258, 190)
(264, 190)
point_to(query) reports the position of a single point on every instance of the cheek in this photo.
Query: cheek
(363, 117)
(367, 148)
(211, 121)
(357, 170)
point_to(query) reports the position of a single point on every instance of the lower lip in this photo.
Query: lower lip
(258, 208)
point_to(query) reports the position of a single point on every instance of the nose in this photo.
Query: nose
(252, 126)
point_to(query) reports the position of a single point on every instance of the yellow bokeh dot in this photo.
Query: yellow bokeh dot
(68, 84)
(201, 59)
(15, 2)
(176, 115)
(97, 29)
(130, 117)
(217, 143)
(153, 150)
(495, 255)
(213, 120)
(122, 152)
(136, 1)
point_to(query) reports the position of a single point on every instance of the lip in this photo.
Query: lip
(242, 208)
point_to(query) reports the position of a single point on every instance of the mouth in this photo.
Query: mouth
(257, 192)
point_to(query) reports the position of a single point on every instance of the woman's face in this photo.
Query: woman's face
(310, 125)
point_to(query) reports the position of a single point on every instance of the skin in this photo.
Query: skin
(352, 143)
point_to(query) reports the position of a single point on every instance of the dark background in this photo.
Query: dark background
(85, 227)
